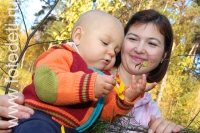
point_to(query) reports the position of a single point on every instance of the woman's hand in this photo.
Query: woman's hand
(160, 125)
(11, 107)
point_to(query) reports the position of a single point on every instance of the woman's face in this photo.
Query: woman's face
(143, 42)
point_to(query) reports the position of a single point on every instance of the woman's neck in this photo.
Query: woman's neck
(125, 75)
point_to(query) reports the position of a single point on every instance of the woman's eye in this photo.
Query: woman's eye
(133, 39)
(153, 44)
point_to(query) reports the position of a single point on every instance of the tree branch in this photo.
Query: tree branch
(26, 45)
(3, 70)
(45, 42)
(23, 19)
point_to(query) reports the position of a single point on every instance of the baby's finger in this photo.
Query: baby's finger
(144, 78)
(111, 81)
(143, 82)
(105, 92)
(133, 82)
(150, 86)
(109, 86)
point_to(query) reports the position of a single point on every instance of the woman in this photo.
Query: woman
(148, 39)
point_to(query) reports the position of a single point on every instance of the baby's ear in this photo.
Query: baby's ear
(77, 34)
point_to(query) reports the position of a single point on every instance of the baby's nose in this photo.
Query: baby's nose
(111, 53)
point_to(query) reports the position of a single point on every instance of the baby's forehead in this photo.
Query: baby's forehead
(99, 21)
(97, 17)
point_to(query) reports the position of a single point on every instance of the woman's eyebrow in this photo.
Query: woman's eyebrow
(131, 34)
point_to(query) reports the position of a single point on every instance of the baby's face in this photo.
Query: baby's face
(100, 45)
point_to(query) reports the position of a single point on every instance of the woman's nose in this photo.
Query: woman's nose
(139, 49)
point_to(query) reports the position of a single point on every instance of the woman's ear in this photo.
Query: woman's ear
(164, 56)
(77, 34)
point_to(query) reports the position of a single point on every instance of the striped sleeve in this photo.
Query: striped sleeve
(55, 84)
(114, 107)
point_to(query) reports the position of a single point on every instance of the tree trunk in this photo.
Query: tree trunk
(194, 111)
(162, 87)
(165, 6)
(139, 6)
(22, 61)
(150, 4)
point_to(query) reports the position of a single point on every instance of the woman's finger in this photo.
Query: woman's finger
(4, 126)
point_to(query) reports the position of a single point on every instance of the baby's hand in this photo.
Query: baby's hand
(137, 88)
(103, 85)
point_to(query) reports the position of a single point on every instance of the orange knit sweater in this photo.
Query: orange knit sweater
(63, 87)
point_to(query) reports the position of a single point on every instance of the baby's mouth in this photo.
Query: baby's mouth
(107, 62)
